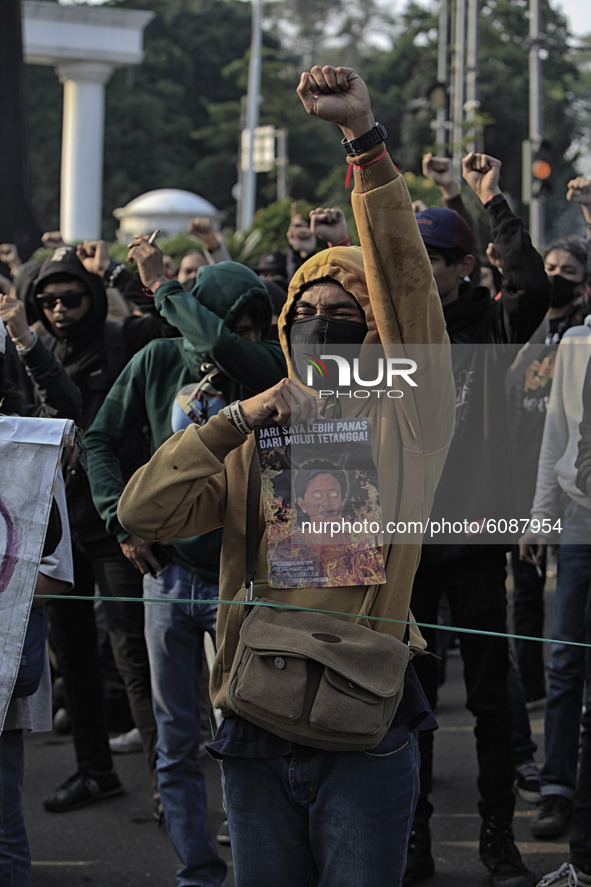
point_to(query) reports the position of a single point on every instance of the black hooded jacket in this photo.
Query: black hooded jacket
(93, 351)
(486, 334)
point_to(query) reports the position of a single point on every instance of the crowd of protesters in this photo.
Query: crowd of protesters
(141, 352)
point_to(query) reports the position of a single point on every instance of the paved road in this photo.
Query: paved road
(116, 843)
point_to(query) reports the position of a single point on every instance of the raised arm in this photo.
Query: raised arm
(525, 293)
(440, 171)
(404, 300)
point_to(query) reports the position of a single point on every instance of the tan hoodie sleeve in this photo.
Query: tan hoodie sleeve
(181, 491)
(395, 258)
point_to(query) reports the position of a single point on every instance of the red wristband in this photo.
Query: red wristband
(362, 166)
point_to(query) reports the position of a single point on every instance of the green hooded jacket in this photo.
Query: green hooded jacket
(145, 391)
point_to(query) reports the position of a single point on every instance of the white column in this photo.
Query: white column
(82, 148)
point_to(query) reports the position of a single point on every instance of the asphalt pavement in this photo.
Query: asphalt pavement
(116, 842)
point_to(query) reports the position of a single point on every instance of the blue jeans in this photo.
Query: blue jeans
(15, 859)
(323, 818)
(174, 637)
(566, 667)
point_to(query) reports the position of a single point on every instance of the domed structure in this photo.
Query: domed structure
(169, 209)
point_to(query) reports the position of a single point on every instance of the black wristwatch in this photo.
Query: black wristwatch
(367, 140)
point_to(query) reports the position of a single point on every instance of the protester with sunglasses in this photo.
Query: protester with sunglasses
(71, 303)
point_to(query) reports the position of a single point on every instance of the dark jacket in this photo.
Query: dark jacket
(93, 352)
(485, 334)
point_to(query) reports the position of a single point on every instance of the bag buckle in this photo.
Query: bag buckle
(249, 585)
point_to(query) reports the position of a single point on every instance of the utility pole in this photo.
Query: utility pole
(441, 129)
(472, 103)
(458, 90)
(248, 195)
(536, 206)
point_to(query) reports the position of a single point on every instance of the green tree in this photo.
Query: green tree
(44, 95)
(172, 121)
(402, 78)
(158, 112)
(339, 29)
(175, 120)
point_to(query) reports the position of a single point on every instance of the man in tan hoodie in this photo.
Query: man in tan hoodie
(302, 815)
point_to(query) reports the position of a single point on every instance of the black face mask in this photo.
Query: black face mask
(318, 331)
(563, 290)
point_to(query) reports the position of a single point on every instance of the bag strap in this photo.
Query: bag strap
(253, 495)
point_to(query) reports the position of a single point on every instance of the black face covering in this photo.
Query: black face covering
(318, 331)
(563, 290)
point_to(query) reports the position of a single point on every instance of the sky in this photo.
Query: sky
(578, 13)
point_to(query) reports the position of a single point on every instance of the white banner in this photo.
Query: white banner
(30, 451)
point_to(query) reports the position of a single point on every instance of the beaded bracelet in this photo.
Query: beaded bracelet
(115, 274)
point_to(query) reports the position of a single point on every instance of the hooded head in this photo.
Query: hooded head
(341, 265)
(62, 267)
(231, 290)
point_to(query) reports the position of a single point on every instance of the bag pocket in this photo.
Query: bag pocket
(274, 683)
(341, 706)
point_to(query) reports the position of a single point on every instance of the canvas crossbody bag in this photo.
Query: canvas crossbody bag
(310, 677)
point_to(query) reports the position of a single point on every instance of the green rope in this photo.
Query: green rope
(245, 603)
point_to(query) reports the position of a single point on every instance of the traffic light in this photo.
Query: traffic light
(541, 171)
